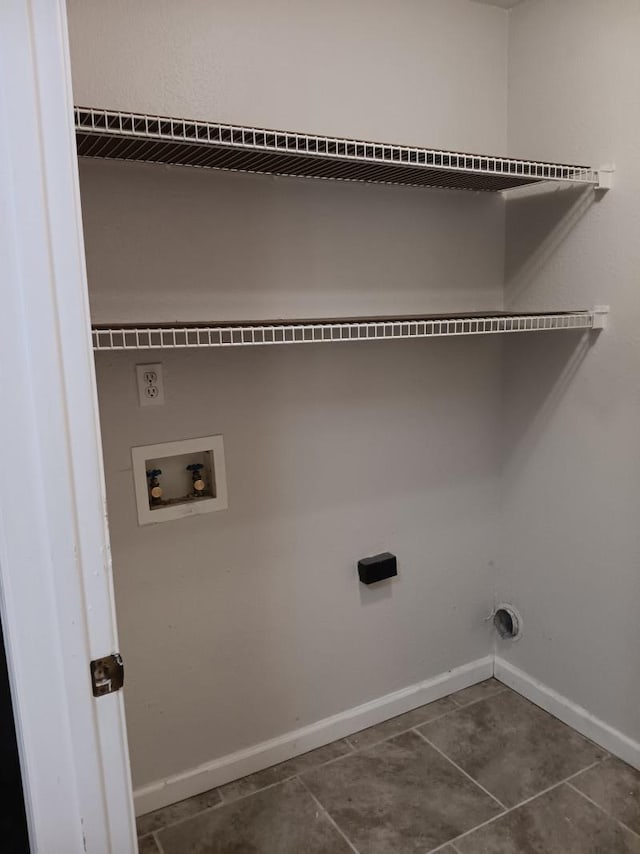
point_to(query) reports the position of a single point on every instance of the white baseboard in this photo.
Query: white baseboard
(252, 759)
(570, 713)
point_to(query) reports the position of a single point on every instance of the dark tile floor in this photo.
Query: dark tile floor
(480, 772)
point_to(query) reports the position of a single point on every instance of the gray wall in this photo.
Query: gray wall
(169, 244)
(571, 479)
(372, 69)
(333, 452)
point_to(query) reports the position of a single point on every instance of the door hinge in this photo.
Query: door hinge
(107, 674)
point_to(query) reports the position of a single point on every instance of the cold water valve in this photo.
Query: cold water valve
(198, 484)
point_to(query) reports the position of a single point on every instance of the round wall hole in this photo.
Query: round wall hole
(507, 622)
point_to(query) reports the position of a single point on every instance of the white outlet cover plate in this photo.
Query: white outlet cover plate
(146, 381)
(139, 457)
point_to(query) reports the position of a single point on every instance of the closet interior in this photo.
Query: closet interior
(456, 388)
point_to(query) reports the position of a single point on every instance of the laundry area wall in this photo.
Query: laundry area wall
(243, 625)
(493, 469)
(571, 484)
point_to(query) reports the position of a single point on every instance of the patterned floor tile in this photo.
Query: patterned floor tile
(400, 795)
(558, 822)
(511, 747)
(281, 820)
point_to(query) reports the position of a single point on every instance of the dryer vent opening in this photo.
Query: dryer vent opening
(507, 622)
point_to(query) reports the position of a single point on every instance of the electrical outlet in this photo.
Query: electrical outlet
(150, 385)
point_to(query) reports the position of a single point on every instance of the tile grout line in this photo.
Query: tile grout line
(603, 810)
(451, 843)
(500, 690)
(328, 815)
(221, 803)
(352, 749)
(443, 847)
(555, 717)
(521, 804)
(456, 708)
(462, 771)
(225, 803)
(181, 820)
(224, 800)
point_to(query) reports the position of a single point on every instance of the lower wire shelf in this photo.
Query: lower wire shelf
(181, 336)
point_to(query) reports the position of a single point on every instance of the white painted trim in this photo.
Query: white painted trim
(569, 712)
(267, 753)
(56, 596)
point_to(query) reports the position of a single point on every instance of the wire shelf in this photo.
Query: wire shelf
(132, 136)
(175, 336)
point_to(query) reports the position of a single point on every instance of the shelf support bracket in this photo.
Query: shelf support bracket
(600, 316)
(605, 177)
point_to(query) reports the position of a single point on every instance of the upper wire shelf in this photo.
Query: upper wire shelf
(180, 336)
(133, 136)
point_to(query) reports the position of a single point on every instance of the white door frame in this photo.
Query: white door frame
(56, 596)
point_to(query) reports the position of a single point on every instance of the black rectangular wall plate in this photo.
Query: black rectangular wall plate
(377, 568)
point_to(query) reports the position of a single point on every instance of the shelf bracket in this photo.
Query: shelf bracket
(605, 177)
(600, 316)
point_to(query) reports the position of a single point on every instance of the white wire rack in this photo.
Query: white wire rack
(301, 332)
(133, 136)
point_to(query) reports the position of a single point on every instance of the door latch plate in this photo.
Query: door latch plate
(107, 674)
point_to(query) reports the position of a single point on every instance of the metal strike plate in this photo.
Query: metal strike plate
(107, 674)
